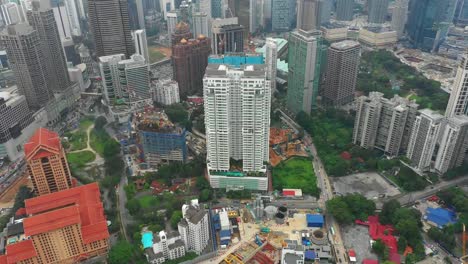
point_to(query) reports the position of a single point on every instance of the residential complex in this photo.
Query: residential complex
(163, 246)
(110, 26)
(165, 92)
(304, 70)
(454, 144)
(194, 228)
(424, 137)
(161, 141)
(385, 124)
(341, 73)
(68, 226)
(458, 102)
(237, 119)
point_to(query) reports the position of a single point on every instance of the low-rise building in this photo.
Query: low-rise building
(165, 246)
(377, 37)
(334, 32)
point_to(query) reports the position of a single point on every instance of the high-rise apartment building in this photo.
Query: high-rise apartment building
(141, 44)
(190, 58)
(400, 16)
(27, 60)
(11, 13)
(426, 131)
(423, 15)
(228, 36)
(453, 144)
(378, 10)
(134, 77)
(200, 24)
(307, 14)
(110, 26)
(112, 89)
(280, 18)
(458, 102)
(194, 227)
(63, 227)
(341, 74)
(271, 57)
(303, 70)
(47, 163)
(182, 31)
(166, 92)
(237, 117)
(382, 123)
(344, 10)
(41, 18)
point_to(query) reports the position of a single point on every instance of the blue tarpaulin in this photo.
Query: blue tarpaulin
(315, 220)
(440, 216)
(309, 254)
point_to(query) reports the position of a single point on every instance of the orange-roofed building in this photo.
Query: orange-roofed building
(63, 227)
(47, 163)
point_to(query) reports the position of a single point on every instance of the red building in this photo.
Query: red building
(190, 58)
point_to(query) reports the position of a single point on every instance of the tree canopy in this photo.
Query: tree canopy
(351, 207)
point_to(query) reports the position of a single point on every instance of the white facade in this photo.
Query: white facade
(166, 92)
(424, 136)
(73, 17)
(166, 6)
(200, 24)
(170, 245)
(400, 16)
(171, 19)
(110, 81)
(194, 228)
(141, 44)
(453, 144)
(134, 78)
(63, 22)
(237, 117)
(271, 56)
(79, 75)
(458, 102)
(256, 18)
(11, 13)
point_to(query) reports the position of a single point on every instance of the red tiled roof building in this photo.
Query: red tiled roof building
(47, 162)
(64, 227)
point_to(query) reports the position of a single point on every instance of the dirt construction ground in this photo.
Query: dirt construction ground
(7, 198)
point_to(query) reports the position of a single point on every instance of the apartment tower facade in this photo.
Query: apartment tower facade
(458, 102)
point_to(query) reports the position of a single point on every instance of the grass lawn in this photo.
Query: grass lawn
(297, 173)
(78, 140)
(155, 55)
(97, 141)
(147, 201)
(79, 159)
(86, 122)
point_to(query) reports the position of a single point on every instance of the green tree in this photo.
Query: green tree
(388, 209)
(205, 195)
(133, 206)
(121, 253)
(175, 218)
(340, 210)
(100, 122)
(176, 113)
(379, 248)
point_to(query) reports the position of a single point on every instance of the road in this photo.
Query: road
(121, 202)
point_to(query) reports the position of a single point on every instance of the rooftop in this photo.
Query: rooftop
(345, 44)
(42, 143)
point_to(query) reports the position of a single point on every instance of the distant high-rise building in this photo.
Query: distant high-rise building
(166, 92)
(205, 7)
(280, 20)
(27, 60)
(200, 24)
(166, 6)
(237, 106)
(11, 13)
(141, 44)
(426, 131)
(423, 15)
(70, 52)
(85, 58)
(400, 16)
(461, 15)
(303, 70)
(190, 58)
(41, 18)
(256, 19)
(228, 36)
(47, 163)
(344, 10)
(172, 20)
(61, 18)
(307, 14)
(182, 31)
(109, 72)
(292, 13)
(194, 227)
(218, 8)
(458, 102)
(341, 74)
(378, 10)
(73, 17)
(324, 13)
(136, 14)
(271, 56)
(454, 144)
(110, 26)
(382, 123)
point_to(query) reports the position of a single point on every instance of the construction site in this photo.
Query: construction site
(284, 143)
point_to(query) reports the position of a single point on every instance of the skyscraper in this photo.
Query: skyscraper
(134, 78)
(280, 20)
(47, 163)
(461, 15)
(378, 10)
(341, 74)
(109, 72)
(110, 26)
(344, 10)
(237, 118)
(307, 14)
(256, 19)
(303, 70)
(182, 31)
(400, 16)
(384, 124)
(11, 13)
(141, 44)
(190, 58)
(166, 6)
(324, 13)
(200, 24)
(172, 20)
(73, 17)
(454, 144)
(27, 60)
(458, 102)
(228, 36)
(271, 56)
(423, 15)
(136, 15)
(41, 18)
(218, 8)
(424, 136)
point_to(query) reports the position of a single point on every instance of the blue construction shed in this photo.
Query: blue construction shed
(440, 216)
(310, 255)
(315, 220)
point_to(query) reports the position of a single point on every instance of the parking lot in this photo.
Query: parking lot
(369, 184)
(357, 237)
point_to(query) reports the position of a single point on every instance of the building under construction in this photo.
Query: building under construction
(159, 139)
